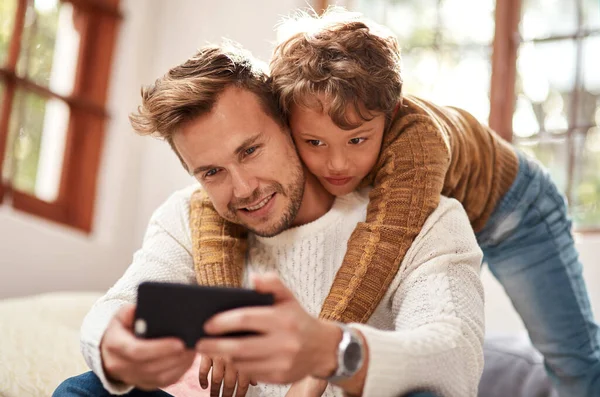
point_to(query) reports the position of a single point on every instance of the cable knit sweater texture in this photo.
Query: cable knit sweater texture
(427, 332)
(428, 150)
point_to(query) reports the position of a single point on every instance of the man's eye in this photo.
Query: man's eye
(211, 172)
(356, 141)
(314, 142)
(250, 150)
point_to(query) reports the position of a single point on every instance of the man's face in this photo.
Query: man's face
(246, 163)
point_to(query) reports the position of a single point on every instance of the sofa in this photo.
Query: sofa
(39, 342)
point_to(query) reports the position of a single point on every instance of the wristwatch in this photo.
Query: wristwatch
(350, 354)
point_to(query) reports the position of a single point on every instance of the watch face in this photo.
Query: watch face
(352, 357)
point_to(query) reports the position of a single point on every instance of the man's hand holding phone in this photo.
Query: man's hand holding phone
(151, 346)
(148, 364)
(288, 343)
(281, 343)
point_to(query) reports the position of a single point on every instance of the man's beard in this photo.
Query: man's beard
(294, 191)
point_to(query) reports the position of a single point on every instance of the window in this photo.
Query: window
(544, 92)
(54, 68)
(557, 108)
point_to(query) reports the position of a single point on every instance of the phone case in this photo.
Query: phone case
(180, 310)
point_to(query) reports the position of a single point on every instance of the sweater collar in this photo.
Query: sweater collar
(341, 206)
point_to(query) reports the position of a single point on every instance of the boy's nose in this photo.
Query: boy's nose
(338, 163)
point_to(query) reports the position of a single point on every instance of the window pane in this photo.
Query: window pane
(422, 23)
(440, 76)
(415, 23)
(586, 192)
(7, 166)
(553, 154)
(36, 145)
(545, 81)
(374, 9)
(591, 10)
(591, 64)
(8, 8)
(475, 26)
(544, 18)
(50, 45)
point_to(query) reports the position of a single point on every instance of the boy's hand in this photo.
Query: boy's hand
(223, 374)
(307, 387)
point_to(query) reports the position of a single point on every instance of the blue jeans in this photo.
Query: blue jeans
(528, 246)
(89, 385)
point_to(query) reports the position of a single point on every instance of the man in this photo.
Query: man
(217, 112)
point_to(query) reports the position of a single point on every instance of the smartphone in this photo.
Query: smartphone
(180, 310)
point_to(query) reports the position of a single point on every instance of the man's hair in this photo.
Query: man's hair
(192, 88)
(342, 55)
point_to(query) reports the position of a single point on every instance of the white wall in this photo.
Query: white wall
(137, 174)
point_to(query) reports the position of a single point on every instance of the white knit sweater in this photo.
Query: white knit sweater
(427, 333)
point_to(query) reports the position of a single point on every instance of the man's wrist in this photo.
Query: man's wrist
(327, 355)
(354, 385)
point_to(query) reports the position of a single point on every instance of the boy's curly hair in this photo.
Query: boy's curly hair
(347, 58)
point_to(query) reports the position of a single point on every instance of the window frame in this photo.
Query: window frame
(75, 201)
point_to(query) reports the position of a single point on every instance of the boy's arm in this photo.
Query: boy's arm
(218, 246)
(408, 181)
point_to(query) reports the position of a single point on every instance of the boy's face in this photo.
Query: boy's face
(339, 158)
(246, 163)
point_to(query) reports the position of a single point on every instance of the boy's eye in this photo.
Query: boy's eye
(356, 141)
(314, 142)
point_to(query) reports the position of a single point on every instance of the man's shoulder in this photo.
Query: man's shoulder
(450, 214)
(448, 225)
(449, 206)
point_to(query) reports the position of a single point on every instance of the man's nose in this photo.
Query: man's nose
(244, 184)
